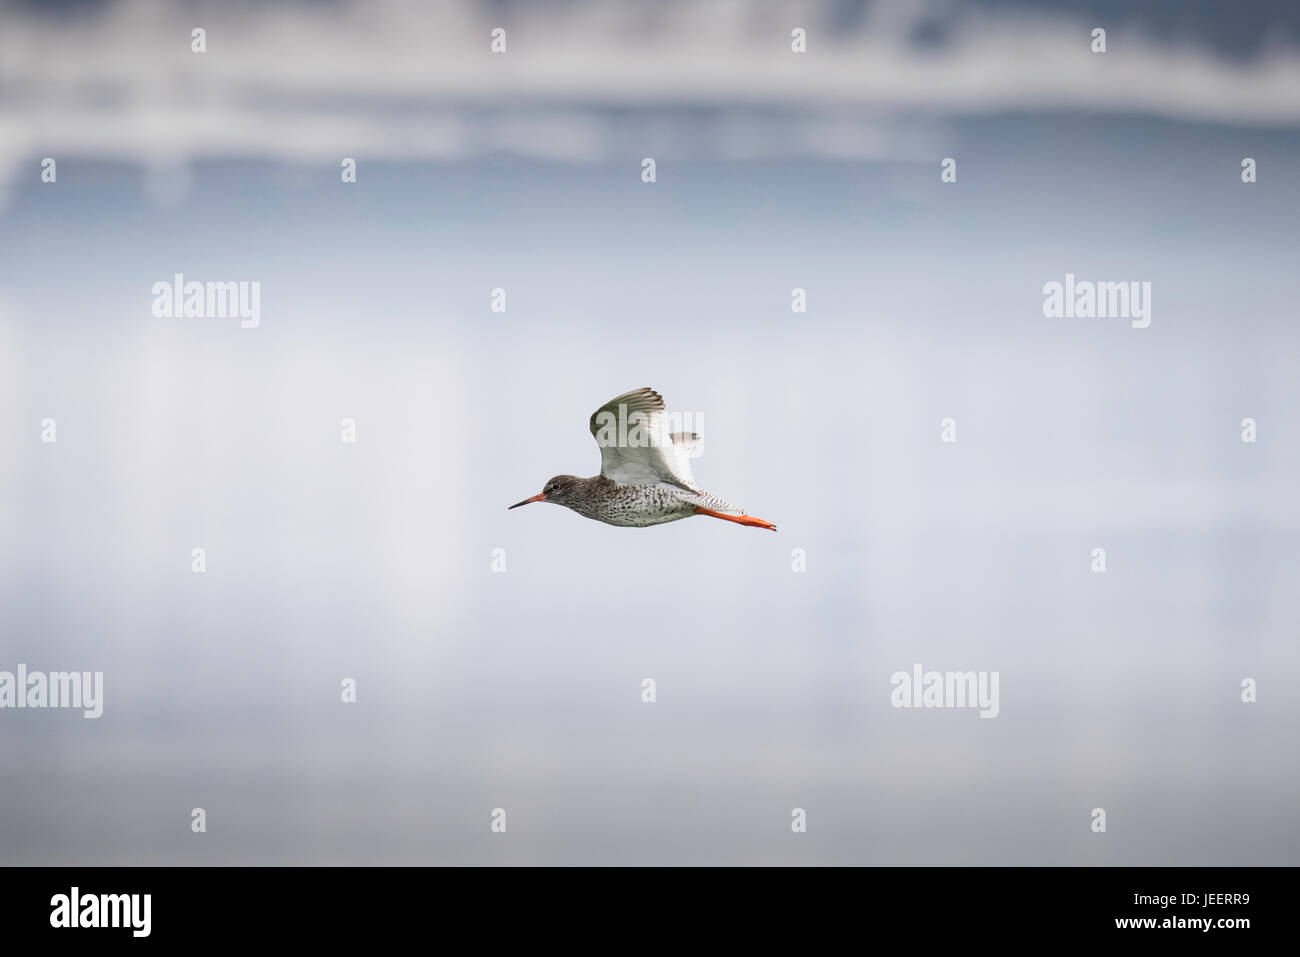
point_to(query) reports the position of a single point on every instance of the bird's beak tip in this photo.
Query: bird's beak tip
(535, 498)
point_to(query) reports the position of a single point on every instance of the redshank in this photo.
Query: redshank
(645, 471)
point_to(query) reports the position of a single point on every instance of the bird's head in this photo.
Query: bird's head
(560, 490)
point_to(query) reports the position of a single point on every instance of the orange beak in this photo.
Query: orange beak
(540, 497)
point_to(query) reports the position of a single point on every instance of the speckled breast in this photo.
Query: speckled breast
(638, 506)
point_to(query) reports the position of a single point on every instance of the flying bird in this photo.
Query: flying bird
(645, 471)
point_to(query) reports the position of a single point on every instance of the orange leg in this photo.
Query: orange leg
(738, 519)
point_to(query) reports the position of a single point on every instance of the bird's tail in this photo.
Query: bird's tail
(713, 503)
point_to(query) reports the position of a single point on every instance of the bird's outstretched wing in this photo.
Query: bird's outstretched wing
(635, 445)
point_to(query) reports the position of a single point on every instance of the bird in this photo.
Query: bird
(645, 471)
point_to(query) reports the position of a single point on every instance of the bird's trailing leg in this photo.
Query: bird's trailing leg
(738, 519)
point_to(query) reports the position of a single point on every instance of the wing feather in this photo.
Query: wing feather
(636, 448)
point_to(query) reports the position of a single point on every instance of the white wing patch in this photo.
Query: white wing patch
(635, 445)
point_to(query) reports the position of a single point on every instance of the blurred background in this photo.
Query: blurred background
(774, 170)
